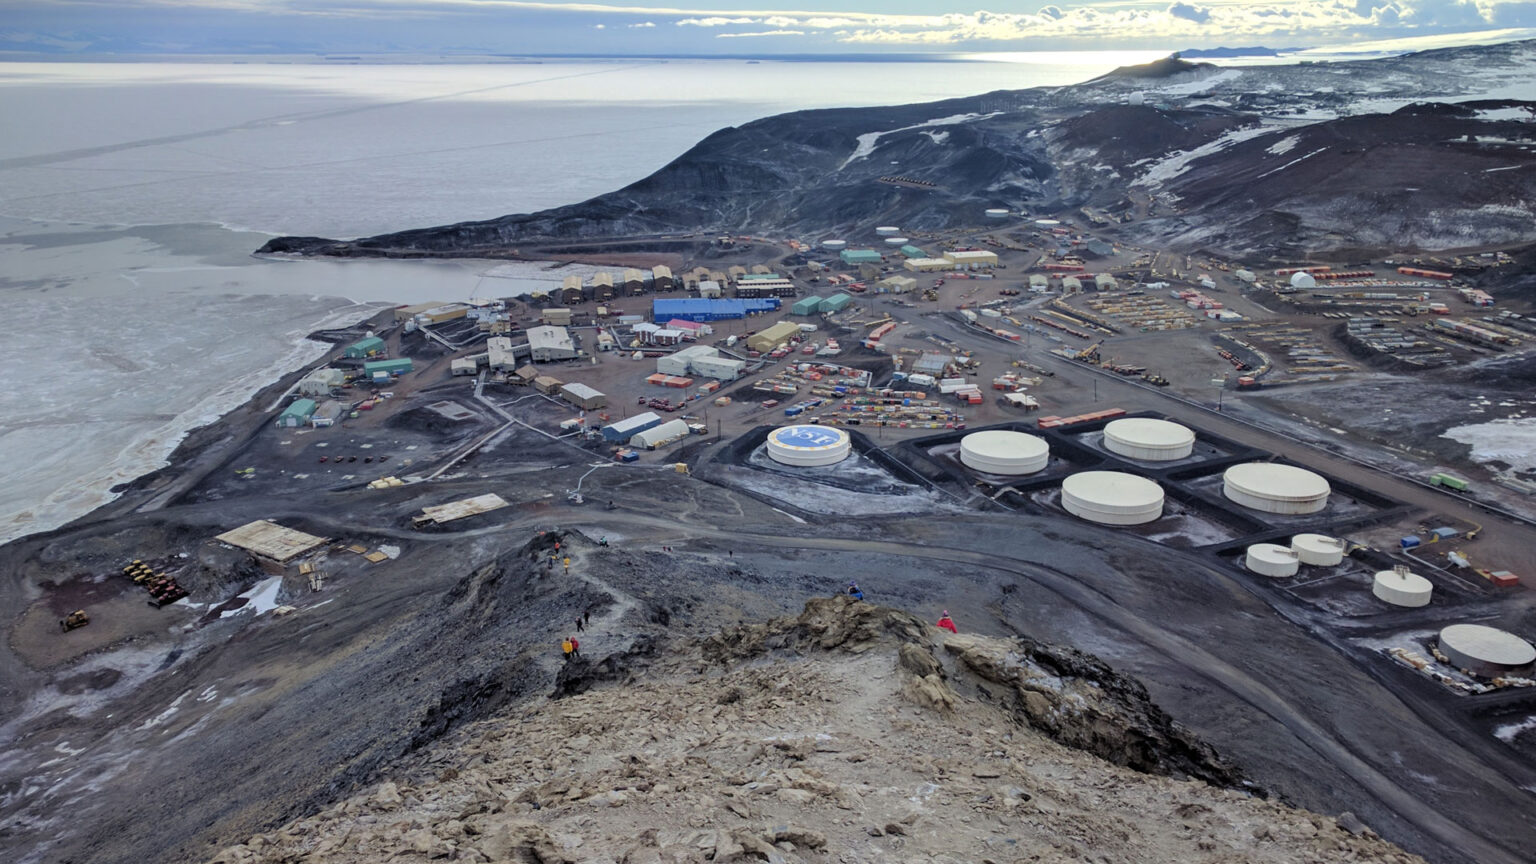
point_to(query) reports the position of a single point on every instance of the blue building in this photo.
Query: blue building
(691, 309)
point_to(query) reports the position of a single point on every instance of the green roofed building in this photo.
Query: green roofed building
(389, 367)
(806, 306)
(911, 251)
(296, 414)
(855, 257)
(835, 303)
(370, 347)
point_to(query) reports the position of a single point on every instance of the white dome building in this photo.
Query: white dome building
(1112, 498)
(1270, 559)
(1318, 550)
(1149, 439)
(1400, 587)
(999, 451)
(1274, 488)
(1302, 279)
(1486, 651)
(808, 445)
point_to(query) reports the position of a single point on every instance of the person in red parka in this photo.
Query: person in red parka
(947, 623)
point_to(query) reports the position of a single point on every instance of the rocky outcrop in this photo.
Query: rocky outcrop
(1073, 698)
(796, 740)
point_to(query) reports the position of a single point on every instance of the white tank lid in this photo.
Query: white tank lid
(1488, 644)
(1149, 432)
(1275, 481)
(1113, 489)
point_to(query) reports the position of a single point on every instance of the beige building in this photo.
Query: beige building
(766, 340)
(974, 258)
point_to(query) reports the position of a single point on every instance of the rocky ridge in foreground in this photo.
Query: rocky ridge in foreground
(847, 733)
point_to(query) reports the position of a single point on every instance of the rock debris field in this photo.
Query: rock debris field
(849, 733)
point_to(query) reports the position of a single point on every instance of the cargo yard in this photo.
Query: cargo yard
(1135, 444)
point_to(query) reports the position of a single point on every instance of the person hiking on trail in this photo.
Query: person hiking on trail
(947, 623)
(587, 616)
(567, 563)
(854, 592)
(575, 648)
(579, 627)
(568, 646)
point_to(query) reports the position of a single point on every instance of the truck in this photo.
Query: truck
(1446, 481)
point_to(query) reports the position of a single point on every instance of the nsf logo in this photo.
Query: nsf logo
(807, 436)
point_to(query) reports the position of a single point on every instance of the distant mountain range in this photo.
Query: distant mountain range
(1221, 53)
(1252, 161)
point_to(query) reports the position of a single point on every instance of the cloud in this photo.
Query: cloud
(715, 21)
(1189, 12)
(762, 33)
(542, 24)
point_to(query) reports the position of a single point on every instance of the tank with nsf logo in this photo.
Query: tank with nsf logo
(808, 445)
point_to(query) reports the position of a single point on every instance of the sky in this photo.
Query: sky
(736, 27)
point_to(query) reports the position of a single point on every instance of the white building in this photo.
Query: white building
(723, 368)
(681, 362)
(550, 343)
(928, 265)
(502, 354)
(320, 382)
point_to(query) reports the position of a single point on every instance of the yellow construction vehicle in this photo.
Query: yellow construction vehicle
(1091, 353)
(74, 621)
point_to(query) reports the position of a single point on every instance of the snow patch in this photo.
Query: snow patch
(1510, 440)
(262, 597)
(869, 140)
(1172, 166)
(1202, 85)
(1283, 146)
(1510, 731)
(1290, 163)
(937, 137)
(1506, 114)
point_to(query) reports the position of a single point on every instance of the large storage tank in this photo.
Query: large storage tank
(1149, 439)
(1275, 488)
(808, 445)
(1112, 498)
(1318, 550)
(897, 241)
(1486, 651)
(997, 213)
(834, 245)
(1400, 587)
(1002, 452)
(1270, 559)
(887, 230)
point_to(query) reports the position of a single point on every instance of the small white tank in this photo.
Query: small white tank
(1269, 559)
(1318, 550)
(1400, 587)
(887, 230)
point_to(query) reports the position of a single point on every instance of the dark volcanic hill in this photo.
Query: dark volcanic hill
(1245, 159)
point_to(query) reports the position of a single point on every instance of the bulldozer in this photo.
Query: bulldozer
(74, 621)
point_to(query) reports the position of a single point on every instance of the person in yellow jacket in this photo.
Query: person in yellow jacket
(568, 647)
